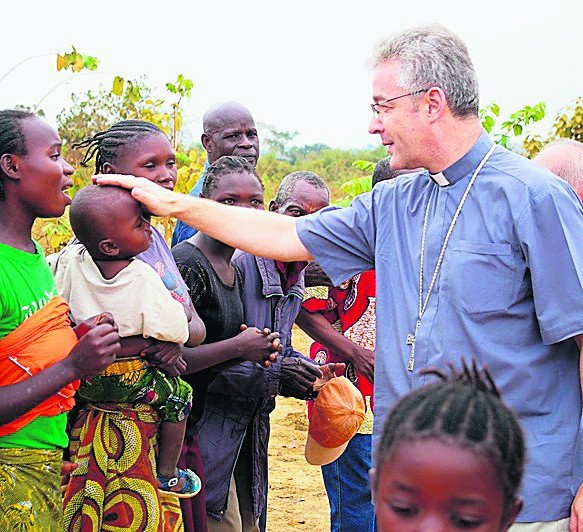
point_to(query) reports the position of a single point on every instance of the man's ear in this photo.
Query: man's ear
(9, 166)
(436, 103)
(206, 142)
(273, 206)
(108, 247)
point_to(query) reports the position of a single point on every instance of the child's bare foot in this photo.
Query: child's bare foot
(184, 484)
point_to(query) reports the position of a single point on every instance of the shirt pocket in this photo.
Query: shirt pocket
(480, 276)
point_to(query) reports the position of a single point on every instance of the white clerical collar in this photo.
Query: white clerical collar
(465, 166)
(440, 179)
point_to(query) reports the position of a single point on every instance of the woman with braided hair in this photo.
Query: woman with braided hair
(125, 473)
(42, 357)
(451, 457)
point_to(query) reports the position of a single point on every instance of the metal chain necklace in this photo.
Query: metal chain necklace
(412, 337)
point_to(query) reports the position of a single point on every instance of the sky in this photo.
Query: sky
(299, 66)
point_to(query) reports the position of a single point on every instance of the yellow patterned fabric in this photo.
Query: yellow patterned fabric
(30, 490)
(115, 487)
(128, 365)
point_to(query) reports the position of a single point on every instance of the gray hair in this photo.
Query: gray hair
(433, 56)
(569, 166)
(288, 183)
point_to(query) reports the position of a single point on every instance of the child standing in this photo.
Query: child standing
(451, 457)
(215, 286)
(101, 273)
(40, 358)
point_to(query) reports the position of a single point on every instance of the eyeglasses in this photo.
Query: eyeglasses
(374, 106)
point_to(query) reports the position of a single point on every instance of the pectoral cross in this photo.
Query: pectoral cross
(411, 339)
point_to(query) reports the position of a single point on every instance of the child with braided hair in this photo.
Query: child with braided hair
(451, 457)
(140, 148)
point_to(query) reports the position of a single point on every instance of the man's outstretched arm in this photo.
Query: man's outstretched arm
(260, 233)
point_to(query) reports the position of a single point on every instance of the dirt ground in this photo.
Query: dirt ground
(297, 500)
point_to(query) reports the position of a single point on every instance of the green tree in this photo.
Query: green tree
(568, 124)
(97, 110)
(514, 125)
(277, 141)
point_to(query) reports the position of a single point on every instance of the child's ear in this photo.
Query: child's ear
(108, 247)
(108, 169)
(512, 513)
(9, 166)
(273, 206)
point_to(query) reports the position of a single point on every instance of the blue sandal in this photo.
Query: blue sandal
(192, 484)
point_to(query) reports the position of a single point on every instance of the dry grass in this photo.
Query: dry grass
(297, 500)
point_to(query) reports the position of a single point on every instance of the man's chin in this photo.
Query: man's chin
(251, 160)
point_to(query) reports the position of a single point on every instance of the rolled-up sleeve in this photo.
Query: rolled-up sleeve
(551, 235)
(341, 240)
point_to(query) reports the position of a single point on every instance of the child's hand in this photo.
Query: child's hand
(85, 326)
(174, 369)
(258, 346)
(95, 351)
(167, 356)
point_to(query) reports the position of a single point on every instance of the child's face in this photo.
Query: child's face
(44, 174)
(427, 485)
(241, 190)
(132, 230)
(151, 157)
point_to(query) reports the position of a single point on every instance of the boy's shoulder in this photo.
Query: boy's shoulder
(71, 253)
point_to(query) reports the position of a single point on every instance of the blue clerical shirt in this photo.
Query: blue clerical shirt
(183, 231)
(510, 294)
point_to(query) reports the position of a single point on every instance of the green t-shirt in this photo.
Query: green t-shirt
(26, 285)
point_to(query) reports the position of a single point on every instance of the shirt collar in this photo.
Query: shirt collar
(464, 166)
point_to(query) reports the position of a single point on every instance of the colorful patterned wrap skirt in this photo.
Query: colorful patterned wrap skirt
(115, 485)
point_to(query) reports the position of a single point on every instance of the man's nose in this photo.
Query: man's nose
(244, 142)
(375, 127)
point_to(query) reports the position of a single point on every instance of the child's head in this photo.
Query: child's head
(109, 223)
(451, 456)
(233, 181)
(32, 171)
(133, 147)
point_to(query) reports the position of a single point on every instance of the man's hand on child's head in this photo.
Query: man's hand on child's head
(157, 200)
(90, 323)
